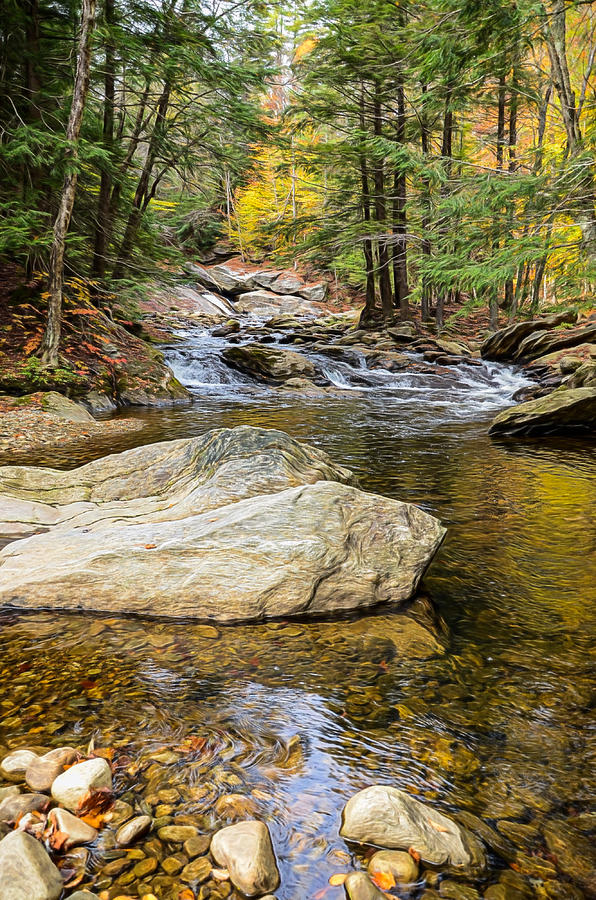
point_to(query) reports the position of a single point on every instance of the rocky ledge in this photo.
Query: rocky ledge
(235, 525)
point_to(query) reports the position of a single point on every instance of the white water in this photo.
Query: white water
(447, 393)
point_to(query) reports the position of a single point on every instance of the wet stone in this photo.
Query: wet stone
(133, 830)
(455, 890)
(172, 865)
(14, 766)
(145, 867)
(177, 834)
(196, 871)
(42, 770)
(116, 866)
(197, 845)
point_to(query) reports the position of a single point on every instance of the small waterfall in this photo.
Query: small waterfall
(467, 390)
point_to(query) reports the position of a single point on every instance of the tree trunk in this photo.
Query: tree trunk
(381, 216)
(141, 193)
(105, 187)
(368, 314)
(400, 257)
(426, 296)
(51, 338)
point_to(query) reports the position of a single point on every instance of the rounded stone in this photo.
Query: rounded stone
(72, 786)
(133, 830)
(14, 766)
(401, 865)
(43, 770)
(178, 834)
(26, 870)
(246, 851)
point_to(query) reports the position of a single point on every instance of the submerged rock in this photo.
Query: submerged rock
(387, 817)
(177, 545)
(246, 851)
(397, 863)
(26, 870)
(359, 887)
(567, 409)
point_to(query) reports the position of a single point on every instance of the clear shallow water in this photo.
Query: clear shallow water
(502, 725)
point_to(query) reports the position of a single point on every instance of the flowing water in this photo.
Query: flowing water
(501, 725)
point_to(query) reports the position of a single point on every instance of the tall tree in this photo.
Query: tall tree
(51, 338)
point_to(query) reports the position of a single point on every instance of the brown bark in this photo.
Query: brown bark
(51, 339)
(367, 243)
(143, 191)
(381, 215)
(105, 188)
(400, 251)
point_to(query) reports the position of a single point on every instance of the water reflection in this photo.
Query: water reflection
(500, 726)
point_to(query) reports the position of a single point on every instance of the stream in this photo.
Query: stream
(501, 726)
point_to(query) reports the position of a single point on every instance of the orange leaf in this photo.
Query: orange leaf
(438, 827)
(95, 802)
(337, 879)
(150, 546)
(383, 880)
(414, 854)
(186, 894)
(58, 840)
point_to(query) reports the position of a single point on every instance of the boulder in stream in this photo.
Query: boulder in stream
(246, 851)
(563, 410)
(387, 817)
(269, 362)
(228, 526)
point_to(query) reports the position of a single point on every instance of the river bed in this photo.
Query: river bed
(296, 716)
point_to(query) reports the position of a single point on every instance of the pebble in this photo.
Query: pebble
(78, 832)
(196, 871)
(197, 845)
(133, 830)
(43, 770)
(145, 867)
(178, 834)
(72, 786)
(401, 865)
(14, 766)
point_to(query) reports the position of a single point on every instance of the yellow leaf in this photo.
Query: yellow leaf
(338, 879)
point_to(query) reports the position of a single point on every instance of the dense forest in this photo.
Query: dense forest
(428, 154)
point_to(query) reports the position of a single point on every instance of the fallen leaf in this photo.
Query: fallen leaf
(438, 827)
(58, 839)
(383, 880)
(95, 802)
(150, 546)
(337, 879)
(186, 894)
(414, 854)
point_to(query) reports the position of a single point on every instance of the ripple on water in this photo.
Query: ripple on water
(500, 726)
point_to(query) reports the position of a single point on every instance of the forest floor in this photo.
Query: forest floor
(26, 424)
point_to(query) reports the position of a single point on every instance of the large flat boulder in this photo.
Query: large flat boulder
(564, 410)
(504, 343)
(163, 481)
(310, 550)
(234, 525)
(269, 362)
